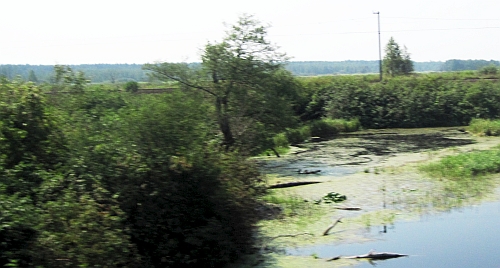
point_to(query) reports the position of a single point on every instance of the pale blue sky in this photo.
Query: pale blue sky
(109, 31)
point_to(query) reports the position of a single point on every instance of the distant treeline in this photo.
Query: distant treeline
(119, 73)
(97, 73)
(307, 68)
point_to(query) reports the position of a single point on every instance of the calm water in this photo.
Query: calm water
(465, 237)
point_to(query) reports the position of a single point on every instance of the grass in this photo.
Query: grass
(484, 127)
(466, 175)
(290, 205)
(296, 215)
(465, 166)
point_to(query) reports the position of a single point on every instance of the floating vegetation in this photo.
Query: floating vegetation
(331, 197)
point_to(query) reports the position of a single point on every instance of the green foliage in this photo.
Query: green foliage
(281, 140)
(18, 221)
(185, 202)
(329, 127)
(484, 99)
(82, 229)
(421, 101)
(396, 60)
(131, 86)
(46, 219)
(298, 135)
(67, 79)
(485, 127)
(30, 137)
(324, 128)
(489, 70)
(465, 166)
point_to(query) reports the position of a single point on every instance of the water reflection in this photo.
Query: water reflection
(464, 237)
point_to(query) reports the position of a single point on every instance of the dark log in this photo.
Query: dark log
(331, 226)
(292, 184)
(378, 256)
(348, 208)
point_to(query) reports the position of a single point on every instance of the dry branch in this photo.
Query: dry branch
(334, 258)
(331, 226)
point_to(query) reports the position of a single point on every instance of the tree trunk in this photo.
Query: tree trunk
(221, 105)
(223, 120)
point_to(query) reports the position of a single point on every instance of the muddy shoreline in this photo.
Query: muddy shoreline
(378, 171)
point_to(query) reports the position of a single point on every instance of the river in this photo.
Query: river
(403, 211)
(462, 237)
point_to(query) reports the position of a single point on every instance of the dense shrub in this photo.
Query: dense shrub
(408, 101)
(489, 70)
(329, 127)
(131, 86)
(298, 135)
(112, 181)
(186, 202)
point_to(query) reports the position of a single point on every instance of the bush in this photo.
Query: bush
(324, 128)
(329, 127)
(489, 70)
(281, 140)
(298, 135)
(131, 86)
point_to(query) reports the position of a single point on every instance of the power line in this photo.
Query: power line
(444, 29)
(415, 18)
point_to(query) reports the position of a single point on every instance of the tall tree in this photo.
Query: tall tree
(65, 77)
(244, 75)
(396, 61)
(32, 77)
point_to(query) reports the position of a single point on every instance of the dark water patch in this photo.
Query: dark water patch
(350, 153)
(463, 237)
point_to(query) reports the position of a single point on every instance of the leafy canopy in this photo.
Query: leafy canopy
(245, 78)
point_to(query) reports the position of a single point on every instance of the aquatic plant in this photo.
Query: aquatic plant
(331, 197)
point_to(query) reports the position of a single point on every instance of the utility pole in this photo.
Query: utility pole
(379, 46)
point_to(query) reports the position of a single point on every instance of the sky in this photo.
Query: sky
(107, 31)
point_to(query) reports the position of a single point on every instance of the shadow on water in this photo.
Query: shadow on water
(462, 237)
(353, 152)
